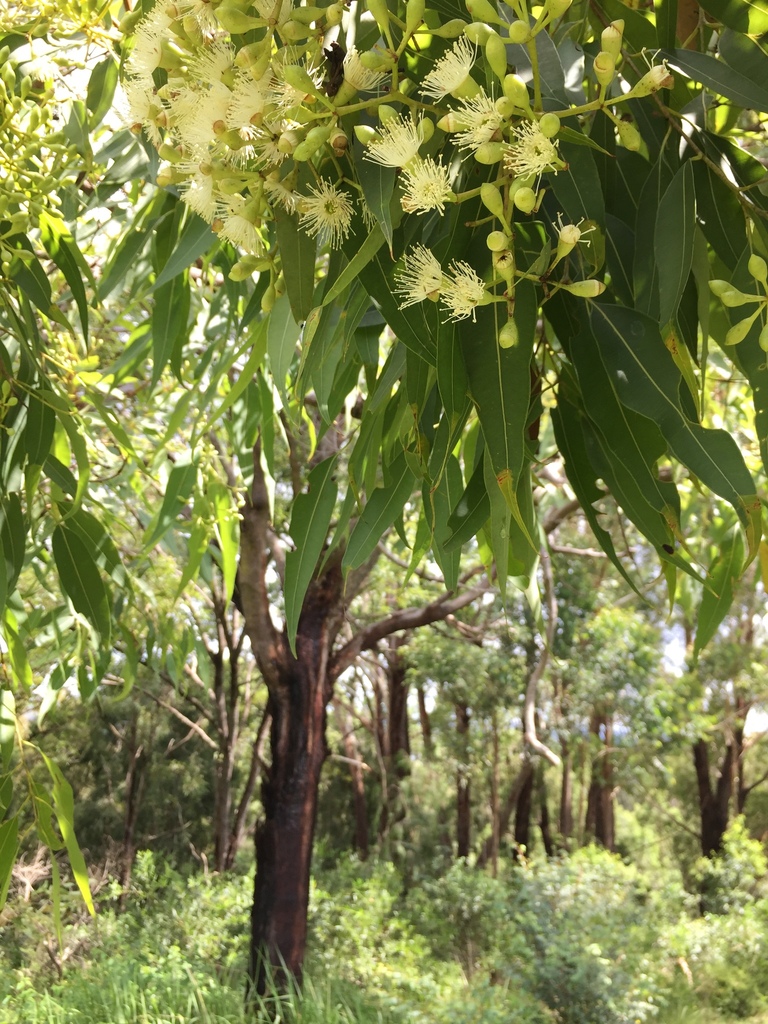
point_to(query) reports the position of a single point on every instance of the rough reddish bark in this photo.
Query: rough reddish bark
(300, 689)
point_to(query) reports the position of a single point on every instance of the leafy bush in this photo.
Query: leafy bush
(734, 878)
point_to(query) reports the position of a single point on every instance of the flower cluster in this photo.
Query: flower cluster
(253, 131)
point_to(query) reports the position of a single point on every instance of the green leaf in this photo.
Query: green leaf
(101, 91)
(94, 535)
(63, 250)
(378, 185)
(38, 434)
(297, 251)
(360, 258)
(666, 20)
(81, 580)
(64, 808)
(747, 16)
(500, 385)
(7, 727)
(246, 375)
(646, 379)
(578, 189)
(720, 214)
(196, 238)
(9, 847)
(181, 480)
(673, 240)
(17, 652)
(170, 315)
(581, 476)
(379, 513)
(717, 76)
(471, 510)
(310, 519)
(645, 272)
(716, 600)
(282, 337)
(13, 532)
(744, 54)
(227, 532)
(443, 499)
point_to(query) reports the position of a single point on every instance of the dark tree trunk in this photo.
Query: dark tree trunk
(399, 735)
(463, 795)
(713, 800)
(544, 825)
(600, 816)
(426, 725)
(523, 815)
(566, 792)
(506, 810)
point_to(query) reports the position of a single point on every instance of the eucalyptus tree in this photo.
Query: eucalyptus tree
(435, 272)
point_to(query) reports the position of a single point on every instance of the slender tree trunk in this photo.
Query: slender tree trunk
(504, 815)
(135, 781)
(352, 754)
(600, 813)
(424, 721)
(496, 830)
(463, 796)
(523, 817)
(566, 792)
(544, 825)
(713, 800)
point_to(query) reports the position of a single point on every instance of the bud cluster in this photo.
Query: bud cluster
(733, 298)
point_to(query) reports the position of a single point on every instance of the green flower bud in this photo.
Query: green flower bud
(268, 299)
(732, 297)
(498, 241)
(585, 289)
(519, 32)
(549, 125)
(450, 30)
(241, 271)
(605, 68)
(508, 335)
(414, 15)
(629, 136)
(365, 133)
(299, 78)
(496, 55)
(307, 15)
(611, 37)
(492, 200)
(378, 9)
(489, 153)
(477, 32)
(525, 200)
(758, 268)
(739, 331)
(483, 10)
(516, 90)
(717, 287)
(293, 32)
(556, 8)
(386, 112)
(763, 338)
(234, 20)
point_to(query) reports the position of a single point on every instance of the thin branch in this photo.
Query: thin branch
(406, 618)
(421, 573)
(559, 515)
(567, 549)
(181, 717)
(529, 712)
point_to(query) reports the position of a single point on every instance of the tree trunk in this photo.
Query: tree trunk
(504, 815)
(352, 754)
(544, 826)
(600, 815)
(426, 725)
(523, 817)
(299, 690)
(463, 801)
(713, 801)
(566, 793)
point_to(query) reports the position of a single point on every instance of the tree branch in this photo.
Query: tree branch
(181, 717)
(529, 712)
(252, 576)
(406, 618)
